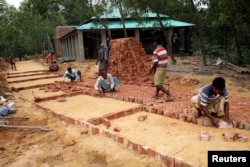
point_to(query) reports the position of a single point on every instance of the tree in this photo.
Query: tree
(231, 18)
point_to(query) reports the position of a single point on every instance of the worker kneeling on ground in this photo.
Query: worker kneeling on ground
(54, 66)
(106, 82)
(212, 101)
(72, 74)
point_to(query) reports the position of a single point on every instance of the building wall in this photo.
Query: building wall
(85, 45)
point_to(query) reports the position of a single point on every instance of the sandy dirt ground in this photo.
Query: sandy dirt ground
(68, 145)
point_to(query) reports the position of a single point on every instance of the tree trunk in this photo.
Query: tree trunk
(122, 19)
(173, 60)
(198, 27)
(225, 43)
(238, 48)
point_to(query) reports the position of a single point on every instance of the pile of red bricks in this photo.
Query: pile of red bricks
(128, 59)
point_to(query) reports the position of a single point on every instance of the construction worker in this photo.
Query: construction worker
(106, 82)
(72, 74)
(212, 101)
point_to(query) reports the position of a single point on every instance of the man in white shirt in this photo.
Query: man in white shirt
(72, 74)
(106, 82)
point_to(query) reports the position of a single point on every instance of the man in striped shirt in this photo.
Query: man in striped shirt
(160, 60)
(213, 101)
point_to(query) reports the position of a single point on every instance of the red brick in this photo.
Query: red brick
(95, 121)
(37, 99)
(240, 137)
(71, 120)
(160, 156)
(200, 121)
(142, 149)
(228, 136)
(134, 146)
(106, 122)
(240, 124)
(129, 145)
(151, 152)
(120, 114)
(137, 109)
(204, 136)
(190, 118)
(160, 112)
(176, 115)
(117, 129)
(120, 139)
(110, 116)
(234, 123)
(183, 117)
(166, 113)
(112, 136)
(125, 142)
(178, 162)
(140, 101)
(246, 126)
(129, 111)
(95, 130)
(170, 161)
(107, 134)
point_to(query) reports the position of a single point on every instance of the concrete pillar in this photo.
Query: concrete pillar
(104, 38)
(76, 47)
(170, 33)
(137, 34)
(80, 44)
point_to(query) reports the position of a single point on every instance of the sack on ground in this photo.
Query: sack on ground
(4, 111)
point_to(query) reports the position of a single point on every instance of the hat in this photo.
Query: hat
(102, 45)
(157, 40)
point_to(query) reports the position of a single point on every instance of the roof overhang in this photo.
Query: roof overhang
(146, 24)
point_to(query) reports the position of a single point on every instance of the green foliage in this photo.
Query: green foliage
(224, 24)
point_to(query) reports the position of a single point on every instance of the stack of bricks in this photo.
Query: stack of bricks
(128, 59)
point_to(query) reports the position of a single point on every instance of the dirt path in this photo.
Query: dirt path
(69, 145)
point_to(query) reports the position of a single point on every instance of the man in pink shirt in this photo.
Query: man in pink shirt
(50, 58)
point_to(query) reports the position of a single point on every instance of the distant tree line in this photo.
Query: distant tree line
(222, 26)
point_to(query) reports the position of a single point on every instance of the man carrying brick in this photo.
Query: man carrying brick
(160, 60)
(106, 82)
(72, 74)
(213, 101)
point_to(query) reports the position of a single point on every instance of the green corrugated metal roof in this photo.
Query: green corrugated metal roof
(133, 24)
(114, 14)
(112, 20)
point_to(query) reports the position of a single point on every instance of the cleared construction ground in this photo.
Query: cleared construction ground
(170, 133)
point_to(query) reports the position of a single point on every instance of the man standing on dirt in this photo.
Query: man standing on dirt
(106, 82)
(175, 43)
(102, 59)
(160, 60)
(12, 62)
(72, 74)
(213, 101)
